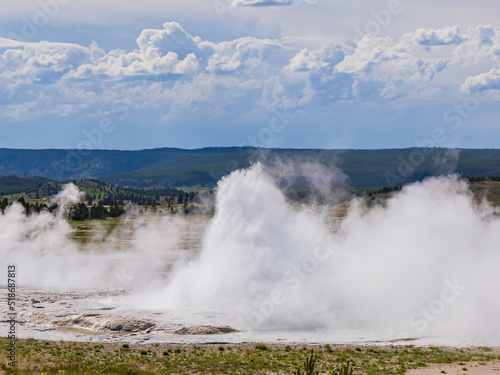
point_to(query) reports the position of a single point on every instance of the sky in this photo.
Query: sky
(372, 74)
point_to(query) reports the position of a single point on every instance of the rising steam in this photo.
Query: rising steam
(424, 264)
(42, 247)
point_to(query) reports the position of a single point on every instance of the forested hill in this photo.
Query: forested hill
(203, 167)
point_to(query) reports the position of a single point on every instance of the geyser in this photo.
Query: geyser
(46, 256)
(425, 264)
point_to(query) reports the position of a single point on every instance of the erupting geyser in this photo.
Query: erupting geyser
(425, 264)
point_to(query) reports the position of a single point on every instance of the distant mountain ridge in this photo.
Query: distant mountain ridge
(171, 167)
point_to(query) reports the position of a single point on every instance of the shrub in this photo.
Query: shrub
(309, 365)
(261, 347)
(345, 369)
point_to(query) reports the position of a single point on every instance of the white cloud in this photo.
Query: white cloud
(173, 38)
(179, 72)
(41, 62)
(316, 60)
(442, 37)
(248, 55)
(173, 51)
(373, 69)
(482, 82)
(481, 46)
(167, 51)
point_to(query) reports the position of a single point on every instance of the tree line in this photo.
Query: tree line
(142, 199)
(87, 210)
(29, 208)
(81, 212)
(483, 178)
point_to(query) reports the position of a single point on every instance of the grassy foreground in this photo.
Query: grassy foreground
(60, 357)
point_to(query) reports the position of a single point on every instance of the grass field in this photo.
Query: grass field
(58, 357)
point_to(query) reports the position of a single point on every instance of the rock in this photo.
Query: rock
(91, 314)
(128, 325)
(205, 330)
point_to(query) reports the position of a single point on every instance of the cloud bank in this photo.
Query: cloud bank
(173, 77)
(176, 67)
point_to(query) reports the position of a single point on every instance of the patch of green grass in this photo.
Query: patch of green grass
(261, 347)
(80, 358)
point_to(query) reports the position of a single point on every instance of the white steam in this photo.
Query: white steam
(69, 195)
(42, 248)
(425, 264)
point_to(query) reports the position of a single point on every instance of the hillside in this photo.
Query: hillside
(482, 188)
(171, 167)
(93, 189)
(19, 183)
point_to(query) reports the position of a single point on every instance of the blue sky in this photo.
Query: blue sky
(275, 73)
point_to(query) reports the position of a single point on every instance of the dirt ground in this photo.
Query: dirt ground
(468, 369)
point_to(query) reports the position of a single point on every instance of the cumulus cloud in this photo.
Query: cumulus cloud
(384, 68)
(42, 62)
(371, 69)
(441, 37)
(179, 72)
(167, 51)
(481, 47)
(482, 82)
(248, 54)
(316, 60)
(173, 51)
